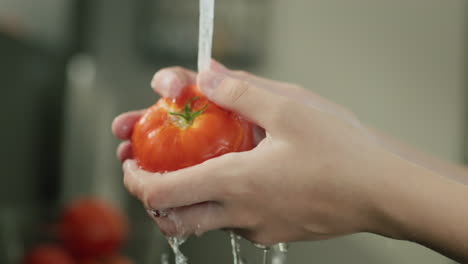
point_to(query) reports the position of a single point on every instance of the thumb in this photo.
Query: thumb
(256, 104)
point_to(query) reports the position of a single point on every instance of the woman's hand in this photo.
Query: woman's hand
(315, 174)
(304, 180)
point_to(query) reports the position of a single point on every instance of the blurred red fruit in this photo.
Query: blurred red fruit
(91, 228)
(48, 254)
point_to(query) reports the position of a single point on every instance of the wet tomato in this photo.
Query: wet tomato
(180, 132)
(91, 228)
(47, 254)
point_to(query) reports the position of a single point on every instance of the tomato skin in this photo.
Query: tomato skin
(47, 254)
(91, 228)
(160, 144)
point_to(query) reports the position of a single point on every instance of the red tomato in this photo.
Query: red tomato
(92, 228)
(48, 254)
(185, 131)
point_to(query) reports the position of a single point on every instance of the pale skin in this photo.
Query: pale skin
(316, 173)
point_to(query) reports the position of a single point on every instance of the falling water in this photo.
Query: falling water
(165, 258)
(236, 250)
(279, 253)
(175, 243)
(205, 39)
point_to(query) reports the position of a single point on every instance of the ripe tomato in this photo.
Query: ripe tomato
(185, 131)
(48, 254)
(92, 228)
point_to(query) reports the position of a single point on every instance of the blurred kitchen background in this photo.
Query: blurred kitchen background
(68, 67)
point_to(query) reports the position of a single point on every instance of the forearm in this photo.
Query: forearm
(421, 206)
(453, 171)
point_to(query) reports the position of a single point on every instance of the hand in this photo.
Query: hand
(311, 177)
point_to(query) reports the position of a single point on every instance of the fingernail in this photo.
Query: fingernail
(209, 81)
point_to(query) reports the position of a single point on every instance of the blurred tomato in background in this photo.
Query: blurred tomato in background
(87, 230)
(48, 254)
(92, 228)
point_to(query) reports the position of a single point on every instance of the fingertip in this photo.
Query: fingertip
(116, 129)
(122, 125)
(167, 83)
(170, 82)
(124, 151)
(134, 170)
(129, 165)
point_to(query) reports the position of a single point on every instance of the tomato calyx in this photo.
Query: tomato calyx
(187, 116)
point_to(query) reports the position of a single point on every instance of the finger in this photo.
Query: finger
(282, 88)
(122, 126)
(196, 219)
(124, 151)
(256, 104)
(197, 184)
(170, 82)
(294, 92)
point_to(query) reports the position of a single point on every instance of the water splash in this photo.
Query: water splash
(175, 243)
(276, 254)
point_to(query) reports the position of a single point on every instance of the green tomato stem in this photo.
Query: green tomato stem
(187, 115)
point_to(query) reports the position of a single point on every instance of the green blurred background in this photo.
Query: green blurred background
(68, 67)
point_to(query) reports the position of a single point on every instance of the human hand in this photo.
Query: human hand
(309, 178)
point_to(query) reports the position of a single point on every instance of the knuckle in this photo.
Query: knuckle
(234, 90)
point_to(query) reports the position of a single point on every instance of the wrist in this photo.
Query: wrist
(415, 203)
(402, 189)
